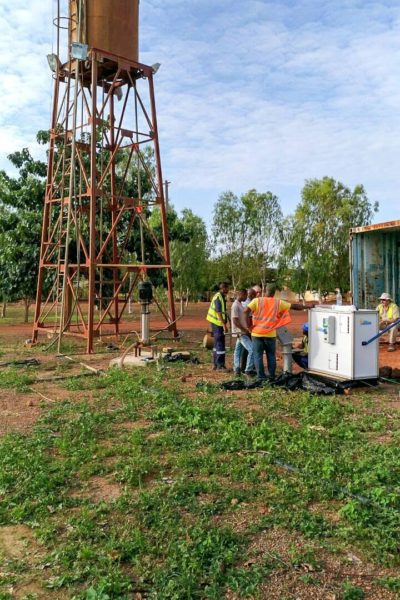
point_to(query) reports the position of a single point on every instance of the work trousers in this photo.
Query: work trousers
(243, 343)
(393, 334)
(267, 344)
(300, 359)
(219, 346)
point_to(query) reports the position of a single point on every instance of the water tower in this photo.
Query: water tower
(104, 222)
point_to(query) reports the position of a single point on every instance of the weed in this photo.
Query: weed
(391, 583)
(17, 379)
(351, 592)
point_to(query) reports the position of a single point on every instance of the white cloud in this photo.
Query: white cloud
(256, 94)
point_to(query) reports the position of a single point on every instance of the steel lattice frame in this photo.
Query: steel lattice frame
(98, 147)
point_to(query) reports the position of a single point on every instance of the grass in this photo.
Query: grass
(186, 466)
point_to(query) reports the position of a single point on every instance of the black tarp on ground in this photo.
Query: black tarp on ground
(308, 382)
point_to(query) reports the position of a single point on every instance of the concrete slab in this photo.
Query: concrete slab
(145, 359)
(131, 360)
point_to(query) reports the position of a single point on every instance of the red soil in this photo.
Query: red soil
(193, 322)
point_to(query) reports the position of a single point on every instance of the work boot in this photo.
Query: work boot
(391, 348)
(250, 374)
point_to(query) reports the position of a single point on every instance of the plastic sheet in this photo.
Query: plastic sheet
(300, 381)
(239, 384)
(180, 357)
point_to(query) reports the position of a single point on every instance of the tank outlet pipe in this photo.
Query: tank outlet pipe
(378, 335)
(145, 290)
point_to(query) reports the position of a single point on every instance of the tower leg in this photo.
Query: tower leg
(160, 187)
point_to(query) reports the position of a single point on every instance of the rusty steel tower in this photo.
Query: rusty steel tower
(101, 235)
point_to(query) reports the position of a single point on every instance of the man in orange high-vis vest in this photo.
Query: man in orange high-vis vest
(268, 314)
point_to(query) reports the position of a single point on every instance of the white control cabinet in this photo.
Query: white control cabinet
(335, 336)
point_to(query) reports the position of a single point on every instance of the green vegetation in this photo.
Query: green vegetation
(251, 241)
(136, 487)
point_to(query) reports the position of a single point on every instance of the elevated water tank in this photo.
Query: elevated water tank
(109, 25)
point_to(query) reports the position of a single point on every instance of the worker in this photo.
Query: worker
(251, 294)
(268, 314)
(258, 290)
(388, 314)
(218, 317)
(241, 330)
(300, 351)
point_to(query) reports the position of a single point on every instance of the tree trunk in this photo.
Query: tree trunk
(4, 309)
(27, 304)
(182, 305)
(187, 298)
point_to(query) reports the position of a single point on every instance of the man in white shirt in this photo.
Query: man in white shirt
(251, 294)
(241, 330)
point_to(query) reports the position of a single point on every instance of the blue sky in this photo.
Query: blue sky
(250, 94)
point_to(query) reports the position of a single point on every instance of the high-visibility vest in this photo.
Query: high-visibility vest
(212, 315)
(389, 313)
(267, 318)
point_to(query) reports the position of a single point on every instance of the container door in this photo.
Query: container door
(375, 259)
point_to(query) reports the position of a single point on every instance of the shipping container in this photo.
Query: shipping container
(374, 263)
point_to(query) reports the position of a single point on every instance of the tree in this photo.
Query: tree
(21, 202)
(264, 218)
(229, 235)
(246, 235)
(189, 256)
(317, 246)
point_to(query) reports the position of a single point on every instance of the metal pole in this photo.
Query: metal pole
(139, 176)
(167, 184)
(46, 208)
(163, 211)
(92, 213)
(63, 320)
(114, 202)
(378, 335)
(287, 358)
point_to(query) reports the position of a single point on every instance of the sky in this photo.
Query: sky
(250, 94)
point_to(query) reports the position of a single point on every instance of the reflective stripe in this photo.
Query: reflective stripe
(268, 318)
(212, 315)
(220, 352)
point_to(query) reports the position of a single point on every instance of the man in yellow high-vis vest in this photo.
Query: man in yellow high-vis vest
(218, 317)
(388, 313)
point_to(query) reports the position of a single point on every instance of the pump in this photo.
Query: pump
(145, 290)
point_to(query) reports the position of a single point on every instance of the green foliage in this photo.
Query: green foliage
(351, 592)
(189, 255)
(15, 379)
(246, 235)
(190, 467)
(391, 583)
(317, 235)
(21, 201)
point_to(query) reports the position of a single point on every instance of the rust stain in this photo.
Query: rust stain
(390, 225)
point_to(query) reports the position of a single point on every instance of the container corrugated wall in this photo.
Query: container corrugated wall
(109, 25)
(375, 266)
